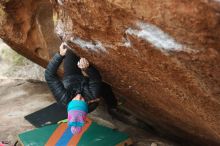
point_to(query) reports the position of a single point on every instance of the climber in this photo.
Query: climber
(80, 80)
(74, 83)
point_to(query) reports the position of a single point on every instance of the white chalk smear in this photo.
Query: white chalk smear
(60, 2)
(127, 43)
(157, 37)
(94, 46)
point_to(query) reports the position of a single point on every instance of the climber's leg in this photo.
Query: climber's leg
(70, 64)
(108, 96)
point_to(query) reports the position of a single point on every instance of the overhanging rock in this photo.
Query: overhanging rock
(162, 56)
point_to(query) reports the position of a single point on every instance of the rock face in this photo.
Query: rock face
(161, 56)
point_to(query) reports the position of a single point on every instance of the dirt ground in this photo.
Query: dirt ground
(19, 98)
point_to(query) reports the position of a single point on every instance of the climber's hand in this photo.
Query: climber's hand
(63, 49)
(83, 63)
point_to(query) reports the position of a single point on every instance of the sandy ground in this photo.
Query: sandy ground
(18, 98)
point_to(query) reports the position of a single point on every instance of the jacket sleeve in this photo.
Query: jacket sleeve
(53, 81)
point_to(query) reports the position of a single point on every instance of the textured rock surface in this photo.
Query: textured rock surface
(162, 56)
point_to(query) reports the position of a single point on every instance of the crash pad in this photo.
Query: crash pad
(37, 137)
(92, 134)
(47, 116)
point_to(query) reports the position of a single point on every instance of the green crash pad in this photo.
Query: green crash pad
(37, 137)
(98, 135)
(95, 135)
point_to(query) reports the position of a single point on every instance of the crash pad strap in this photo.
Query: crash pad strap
(65, 138)
(56, 135)
(62, 135)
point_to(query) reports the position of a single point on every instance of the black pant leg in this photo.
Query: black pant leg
(70, 64)
(108, 96)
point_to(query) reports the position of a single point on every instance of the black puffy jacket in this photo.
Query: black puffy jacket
(89, 87)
